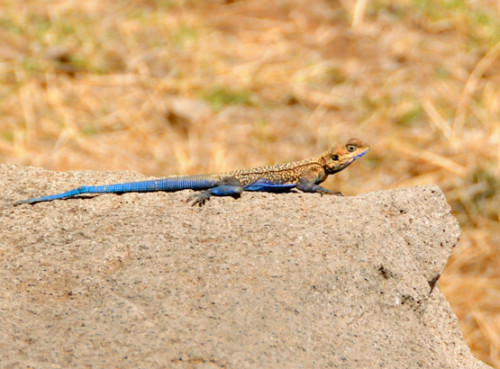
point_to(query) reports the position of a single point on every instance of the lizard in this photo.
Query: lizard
(304, 175)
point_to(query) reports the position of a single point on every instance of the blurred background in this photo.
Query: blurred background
(183, 87)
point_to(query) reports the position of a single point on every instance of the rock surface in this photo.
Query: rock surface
(267, 281)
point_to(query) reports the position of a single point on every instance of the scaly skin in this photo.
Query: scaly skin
(313, 170)
(305, 175)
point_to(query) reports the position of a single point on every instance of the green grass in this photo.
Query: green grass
(220, 96)
(410, 116)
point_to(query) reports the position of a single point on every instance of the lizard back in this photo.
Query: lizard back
(279, 173)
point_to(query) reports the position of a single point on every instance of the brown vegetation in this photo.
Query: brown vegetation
(166, 87)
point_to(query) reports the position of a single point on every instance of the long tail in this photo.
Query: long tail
(165, 184)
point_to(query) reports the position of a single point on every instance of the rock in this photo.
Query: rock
(267, 281)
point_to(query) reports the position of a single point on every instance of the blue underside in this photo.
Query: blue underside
(268, 186)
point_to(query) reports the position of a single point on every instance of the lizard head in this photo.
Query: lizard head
(339, 157)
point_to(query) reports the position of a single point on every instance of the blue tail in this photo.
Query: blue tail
(165, 184)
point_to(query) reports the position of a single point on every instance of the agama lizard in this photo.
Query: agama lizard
(305, 175)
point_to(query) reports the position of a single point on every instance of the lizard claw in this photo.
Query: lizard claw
(199, 198)
(334, 193)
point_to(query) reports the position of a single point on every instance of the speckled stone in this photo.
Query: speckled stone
(266, 281)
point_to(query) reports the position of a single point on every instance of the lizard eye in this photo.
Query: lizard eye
(351, 148)
(335, 157)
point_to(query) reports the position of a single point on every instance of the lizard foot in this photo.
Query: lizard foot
(199, 198)
(335, 193)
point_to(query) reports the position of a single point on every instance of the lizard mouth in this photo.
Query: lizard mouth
(337, 168)
(359, 155)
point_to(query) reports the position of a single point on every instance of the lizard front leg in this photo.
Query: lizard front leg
(305, 185)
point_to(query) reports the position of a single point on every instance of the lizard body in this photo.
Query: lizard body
(305, 175)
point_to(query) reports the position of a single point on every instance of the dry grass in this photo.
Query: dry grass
(199, 86)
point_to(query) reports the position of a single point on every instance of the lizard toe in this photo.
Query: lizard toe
(199, 198)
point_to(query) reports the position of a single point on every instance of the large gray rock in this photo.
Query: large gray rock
(267, 281)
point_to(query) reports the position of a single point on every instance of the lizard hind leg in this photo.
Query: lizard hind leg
(199, 198)
(234, 190)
